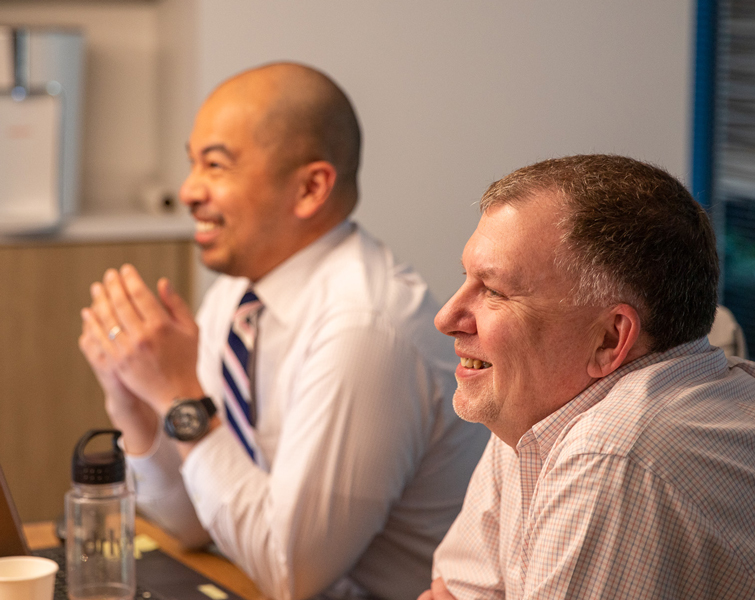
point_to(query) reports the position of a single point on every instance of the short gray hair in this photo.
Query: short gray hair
(632, 234)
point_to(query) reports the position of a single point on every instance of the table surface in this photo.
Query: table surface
(42, 535)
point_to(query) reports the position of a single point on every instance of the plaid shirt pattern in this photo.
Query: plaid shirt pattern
(642, 486)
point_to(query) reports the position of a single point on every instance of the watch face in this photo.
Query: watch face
(188, 420)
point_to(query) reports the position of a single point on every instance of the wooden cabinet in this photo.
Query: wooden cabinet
(48, 395)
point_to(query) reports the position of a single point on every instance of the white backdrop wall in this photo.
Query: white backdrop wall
(454, 95)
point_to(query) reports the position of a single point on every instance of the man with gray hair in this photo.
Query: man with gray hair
(622, 460)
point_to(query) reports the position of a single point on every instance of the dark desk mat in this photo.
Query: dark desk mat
(158, 577)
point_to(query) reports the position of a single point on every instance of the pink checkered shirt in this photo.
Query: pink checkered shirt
(643, 486)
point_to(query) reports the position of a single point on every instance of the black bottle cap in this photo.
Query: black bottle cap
(98, 467)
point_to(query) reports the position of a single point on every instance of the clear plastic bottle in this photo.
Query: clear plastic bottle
(100, 524)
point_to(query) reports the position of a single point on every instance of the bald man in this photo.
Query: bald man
(305, 422)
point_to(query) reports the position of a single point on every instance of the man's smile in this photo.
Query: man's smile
(474, 363)
(205, 226)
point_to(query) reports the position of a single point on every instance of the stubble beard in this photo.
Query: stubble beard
(479, 406)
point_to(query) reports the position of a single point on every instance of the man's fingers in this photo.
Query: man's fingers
(142, 299)
(123, 308)
(101, 311)
(93, 341)
(440, 591)
(173, 302)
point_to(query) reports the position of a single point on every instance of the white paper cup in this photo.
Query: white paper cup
(27, 578)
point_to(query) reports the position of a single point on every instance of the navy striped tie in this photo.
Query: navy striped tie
(238, 372)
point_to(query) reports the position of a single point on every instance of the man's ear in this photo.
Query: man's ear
(618, 341)
(316, 183)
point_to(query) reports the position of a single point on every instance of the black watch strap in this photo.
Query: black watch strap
(189, 419)
(209, 406)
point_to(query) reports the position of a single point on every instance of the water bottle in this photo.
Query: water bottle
(100, 524)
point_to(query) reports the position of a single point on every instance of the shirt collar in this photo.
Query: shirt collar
(279, 289)
(546, 432)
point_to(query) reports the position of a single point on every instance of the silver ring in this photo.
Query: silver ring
(113, 333)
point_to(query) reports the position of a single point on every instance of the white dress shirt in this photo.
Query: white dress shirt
(643, 486)
(368, 461)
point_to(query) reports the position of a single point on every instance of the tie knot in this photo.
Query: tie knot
(248, 297)
(245, 318)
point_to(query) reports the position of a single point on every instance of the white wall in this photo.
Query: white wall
(179, 97)
(454, 95)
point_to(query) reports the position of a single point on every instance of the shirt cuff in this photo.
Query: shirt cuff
(214, 470)
(156, 469)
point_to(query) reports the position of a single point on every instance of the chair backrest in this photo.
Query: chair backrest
(727, 334)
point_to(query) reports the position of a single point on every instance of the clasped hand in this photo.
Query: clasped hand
(438, 591)
(140, 346)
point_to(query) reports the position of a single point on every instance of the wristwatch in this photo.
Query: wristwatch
(189, 419)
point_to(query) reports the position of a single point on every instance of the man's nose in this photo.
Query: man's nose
(192, 190)
(456, 316)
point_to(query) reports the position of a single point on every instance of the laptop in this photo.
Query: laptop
(158, 576)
